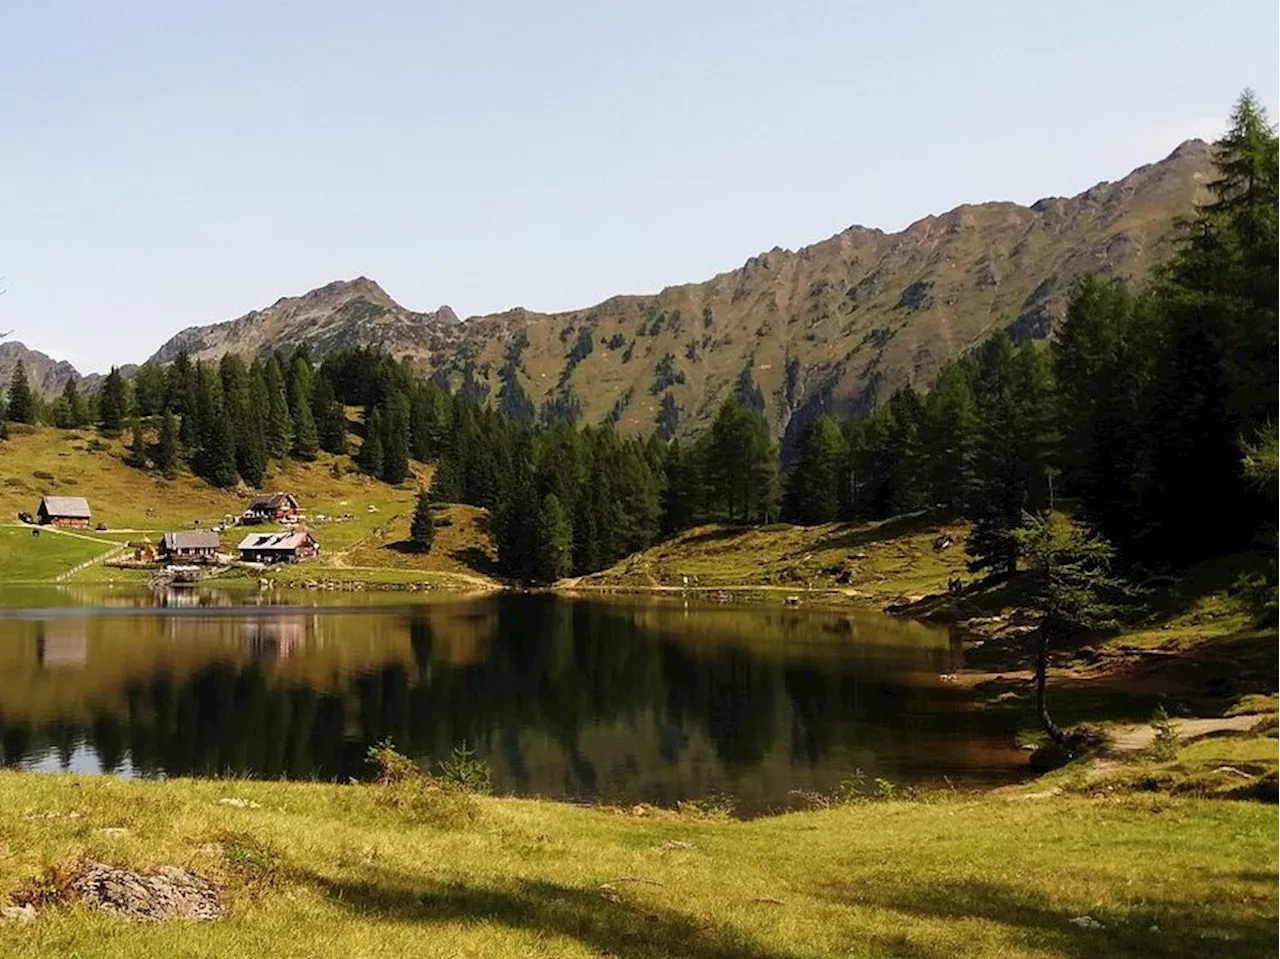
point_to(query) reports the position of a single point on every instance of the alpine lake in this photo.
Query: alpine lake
(613, 700)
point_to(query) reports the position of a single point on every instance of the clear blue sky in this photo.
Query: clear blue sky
(170, 163)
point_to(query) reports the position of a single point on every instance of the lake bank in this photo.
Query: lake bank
(330, 870)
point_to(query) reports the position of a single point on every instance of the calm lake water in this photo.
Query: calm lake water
(623, 701)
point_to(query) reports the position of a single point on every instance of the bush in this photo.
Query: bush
(465, 771)
(1164, 747)
(418, 796)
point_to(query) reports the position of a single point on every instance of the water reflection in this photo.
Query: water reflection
(629, 701)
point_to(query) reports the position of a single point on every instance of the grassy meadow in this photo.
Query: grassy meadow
(332, 870)
(366, 526)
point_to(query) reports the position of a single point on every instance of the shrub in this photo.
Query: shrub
(1164, 747)
(423, 798)
(464, 770)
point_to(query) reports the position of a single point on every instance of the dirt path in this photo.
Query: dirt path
(1137, 737)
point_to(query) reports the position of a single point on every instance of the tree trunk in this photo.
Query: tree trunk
(1042, 707)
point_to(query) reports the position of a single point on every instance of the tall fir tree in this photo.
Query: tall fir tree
(742, 469)
(112, 406)
(815, 482)
(167, 448)
(306, 441)
(553, 541)
(370, 459)
(395, 439)
(279, 425)
(422, 529)
(138, 458)
(21, 408)
(330, 419)
(1014, 390)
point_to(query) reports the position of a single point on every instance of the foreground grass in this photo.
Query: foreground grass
(325, 870)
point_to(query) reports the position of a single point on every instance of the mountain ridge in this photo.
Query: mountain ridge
(834, 325)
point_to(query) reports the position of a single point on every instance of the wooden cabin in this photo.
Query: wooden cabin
(272, 548)
(276, 508)
(70, 511)
(189, 547)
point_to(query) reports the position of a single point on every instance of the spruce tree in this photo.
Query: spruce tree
(112, 404)
(370, 458)
(815, 483)
(742, 468)
(167, 448)
(330, 419)
(1071, 587)
(445, 484)
(76, 410)
(553, 539)
(21, 408)
(306, 442)
(1013, 391)
(422, 530)
(279, 426)
(138, 446)
(949, 435)
(395, 440)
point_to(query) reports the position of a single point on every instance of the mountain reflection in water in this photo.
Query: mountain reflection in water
(622, 701)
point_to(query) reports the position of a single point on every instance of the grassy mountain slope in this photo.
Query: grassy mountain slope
(836, 325)
(131, 502)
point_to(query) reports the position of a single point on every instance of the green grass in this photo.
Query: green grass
(326, 870)
(366, 521)
(27, 558)
(878, 563)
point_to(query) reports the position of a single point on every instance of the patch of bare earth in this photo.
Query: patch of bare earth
(163, 894)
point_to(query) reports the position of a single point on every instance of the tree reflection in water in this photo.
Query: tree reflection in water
(622, 701)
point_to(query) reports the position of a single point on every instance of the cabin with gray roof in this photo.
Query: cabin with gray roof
(64, 511)
(272, 548)
(190, 546)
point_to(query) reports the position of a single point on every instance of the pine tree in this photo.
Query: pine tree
(395, 440)
(138, 446)
(21, 407)
(306, 442)
(422, 530)
(553, 537)
(167, 449)
(1070, 585)
(742, 469)
(445, 485)
(112, 406)
(279, 425)
(76, 410)
(220, 454)
(949, 435)
(330, 419)
(1013, 391)
(370, 459)
(682, 493)
(814, 485)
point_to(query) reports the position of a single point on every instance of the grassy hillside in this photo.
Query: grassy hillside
(329, 870)
(367, 520)
(877, 563)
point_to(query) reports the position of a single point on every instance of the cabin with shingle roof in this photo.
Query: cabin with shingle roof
(190, 547)
(64, 511)
(276, 508)
(272, 548)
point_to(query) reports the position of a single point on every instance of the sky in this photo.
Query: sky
(167, 163)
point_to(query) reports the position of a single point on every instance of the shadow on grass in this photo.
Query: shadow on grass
(888, 529)
(476, 560)
(619, 928)
(1184, 928)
